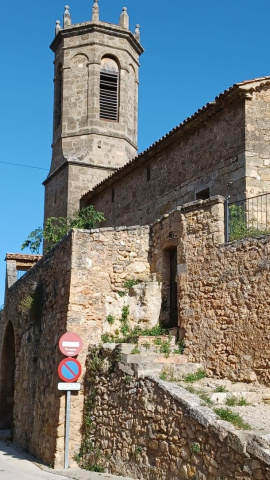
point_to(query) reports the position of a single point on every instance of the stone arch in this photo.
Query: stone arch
(79, 61)
(109, 89)
(109, 56)
(7, 374)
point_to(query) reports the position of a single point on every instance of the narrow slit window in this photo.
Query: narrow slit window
(58, 97)
(148, 173)
(109, 89)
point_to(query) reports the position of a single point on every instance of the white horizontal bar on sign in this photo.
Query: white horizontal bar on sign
(71, 344)
(69, 386)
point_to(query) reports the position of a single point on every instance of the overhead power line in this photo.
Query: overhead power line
(25, 166)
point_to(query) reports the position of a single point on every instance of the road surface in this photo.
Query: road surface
(18, 465)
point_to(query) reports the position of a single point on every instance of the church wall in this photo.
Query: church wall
(79, 178)
(211, 156)
(258, 143)
(55, 191)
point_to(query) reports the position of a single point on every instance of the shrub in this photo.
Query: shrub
(57, 227)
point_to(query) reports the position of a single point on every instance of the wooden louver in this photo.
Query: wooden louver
(109, 95)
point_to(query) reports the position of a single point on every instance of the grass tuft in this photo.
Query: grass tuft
(234, 418)
(194, 377)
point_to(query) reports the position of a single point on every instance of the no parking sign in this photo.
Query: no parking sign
(69, 370)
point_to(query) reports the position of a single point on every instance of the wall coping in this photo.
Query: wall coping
(240, 441)
(191, 206)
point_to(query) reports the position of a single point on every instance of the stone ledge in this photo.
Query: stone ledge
(240, 441)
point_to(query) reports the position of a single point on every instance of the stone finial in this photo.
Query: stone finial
(124, 19)
(57, 27)
(95, 11)
(67, 17)
(137, 32)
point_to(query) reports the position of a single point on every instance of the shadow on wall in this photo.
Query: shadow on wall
(7, 379)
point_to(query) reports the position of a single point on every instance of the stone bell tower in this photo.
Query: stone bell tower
(95, 106)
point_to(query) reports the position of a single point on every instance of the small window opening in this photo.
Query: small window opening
(112, 195)
(20, 273)
(203, 194)
(58, 97)
(148, 173)
(109, 89)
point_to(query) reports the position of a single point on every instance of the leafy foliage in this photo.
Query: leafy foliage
(57, 227)
(130, 282)
(239, 226)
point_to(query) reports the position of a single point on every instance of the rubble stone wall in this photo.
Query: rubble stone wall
(73, 288)
(223, 291)
(36, 305)
(151, 429)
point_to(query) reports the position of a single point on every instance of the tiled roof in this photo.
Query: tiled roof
(22, 256)
(213, 107)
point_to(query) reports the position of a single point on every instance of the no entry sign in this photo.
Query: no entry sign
(69, 370)
(70, 344)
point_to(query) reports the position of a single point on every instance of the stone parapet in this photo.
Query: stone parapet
(149, 428)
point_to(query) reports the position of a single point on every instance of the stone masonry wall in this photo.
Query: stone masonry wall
(36, 305)
(94, 147)
(258, 143)
(226, 314)
(101, 262)
(210, 155)
(206, 225)
(150, 429)
(223, 291)
(73, 288)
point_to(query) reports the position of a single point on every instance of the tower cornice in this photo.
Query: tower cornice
(100, 27)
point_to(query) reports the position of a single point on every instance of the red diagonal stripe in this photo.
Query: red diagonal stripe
(71, 371)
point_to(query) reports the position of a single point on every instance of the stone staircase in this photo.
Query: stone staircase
(154, 355)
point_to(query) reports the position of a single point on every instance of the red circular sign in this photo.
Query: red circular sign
(70, 344)
(69, 370)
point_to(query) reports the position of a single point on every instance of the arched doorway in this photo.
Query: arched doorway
(7, 378)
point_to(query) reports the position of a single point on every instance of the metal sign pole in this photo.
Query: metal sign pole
(67, 428)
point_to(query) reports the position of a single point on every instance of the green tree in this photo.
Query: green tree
(57, 227)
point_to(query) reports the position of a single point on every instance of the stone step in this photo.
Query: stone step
(175, 372)
(153, 358)
(148, 344)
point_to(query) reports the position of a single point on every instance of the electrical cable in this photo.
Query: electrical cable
(26, 166)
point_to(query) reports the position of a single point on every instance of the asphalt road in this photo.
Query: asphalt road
(15, 464)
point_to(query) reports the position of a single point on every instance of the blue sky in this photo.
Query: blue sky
(193, 51)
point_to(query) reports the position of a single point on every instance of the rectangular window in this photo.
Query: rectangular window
(203, 194)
